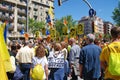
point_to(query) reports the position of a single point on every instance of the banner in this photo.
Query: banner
(56, 60)
(37, 34)
(65, 30)
(73, 32)
(80, 29)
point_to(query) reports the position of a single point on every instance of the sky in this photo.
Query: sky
(78, 9)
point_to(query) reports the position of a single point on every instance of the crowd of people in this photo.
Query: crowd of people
(88, 59)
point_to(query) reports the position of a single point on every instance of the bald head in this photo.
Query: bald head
(71, 41)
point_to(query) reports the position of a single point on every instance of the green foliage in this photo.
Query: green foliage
(59, 23)
(35, 25)
(116, 15)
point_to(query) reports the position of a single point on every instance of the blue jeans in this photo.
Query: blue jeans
(59, 74)
(25, 68)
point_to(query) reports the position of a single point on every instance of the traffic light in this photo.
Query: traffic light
(59, 2)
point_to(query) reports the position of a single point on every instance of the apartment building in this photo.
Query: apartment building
(15, 13)
(91, 25)
(107, 27)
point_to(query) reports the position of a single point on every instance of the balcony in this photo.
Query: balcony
(20, 27)
(21, 20)
(6, 9)
(22, 11)
(22, 3)
(6, 18)
(11, 27)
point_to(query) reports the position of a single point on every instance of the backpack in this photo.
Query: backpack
(37, 72)
(114, 63)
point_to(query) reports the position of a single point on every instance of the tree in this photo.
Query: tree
(116, 15)
(59, 23)
(35, 25)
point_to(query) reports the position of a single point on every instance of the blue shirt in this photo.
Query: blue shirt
(89, 58)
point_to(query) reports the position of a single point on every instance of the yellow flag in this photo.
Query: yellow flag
(50, 11)
(3, 49)
(3, 46)
(2, 70)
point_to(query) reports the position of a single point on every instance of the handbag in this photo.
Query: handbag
(18, 74)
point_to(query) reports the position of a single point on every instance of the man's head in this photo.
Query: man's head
(71, 41)
(91, 37)
(115, 32)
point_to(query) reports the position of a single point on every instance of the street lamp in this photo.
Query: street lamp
(92, 13)
(89, 5)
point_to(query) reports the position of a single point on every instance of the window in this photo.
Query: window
(41, 14)
(35, 17)
(10, 6)
(47, 2)
(21, 0)
(41, 0)
(3, 13)
(3, 4)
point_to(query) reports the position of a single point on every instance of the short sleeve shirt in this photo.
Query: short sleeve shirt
(104, 57)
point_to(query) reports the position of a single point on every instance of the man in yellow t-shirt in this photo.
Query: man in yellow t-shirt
(105, 54)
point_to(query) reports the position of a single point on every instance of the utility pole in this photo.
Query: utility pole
(27, 18)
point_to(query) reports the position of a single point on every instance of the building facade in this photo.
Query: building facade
(15, 13)
(107, 27)
(92, 25)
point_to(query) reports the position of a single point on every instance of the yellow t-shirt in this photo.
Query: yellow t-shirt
(104, 57)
